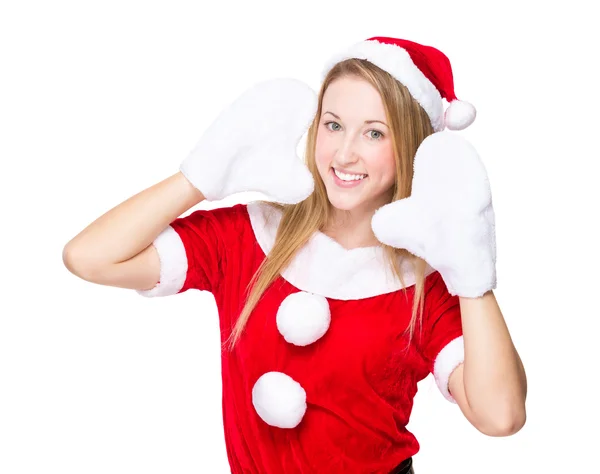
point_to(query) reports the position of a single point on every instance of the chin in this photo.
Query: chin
(344, 203)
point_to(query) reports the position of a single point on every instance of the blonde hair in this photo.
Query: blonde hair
(409, 125)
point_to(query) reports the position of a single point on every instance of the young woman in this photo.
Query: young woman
(372, 266)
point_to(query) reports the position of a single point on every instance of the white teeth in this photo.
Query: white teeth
(348, 177)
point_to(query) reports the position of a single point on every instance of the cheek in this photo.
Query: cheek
(390, 168)
(384, 165)
(322, 151)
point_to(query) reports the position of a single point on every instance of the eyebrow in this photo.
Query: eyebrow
(366, 121)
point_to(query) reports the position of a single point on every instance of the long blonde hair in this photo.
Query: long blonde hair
(409, 125)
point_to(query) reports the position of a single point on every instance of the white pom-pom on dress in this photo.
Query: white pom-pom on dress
(303, 318)
(279, 400)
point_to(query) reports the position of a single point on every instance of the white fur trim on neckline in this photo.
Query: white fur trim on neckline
(323, 267)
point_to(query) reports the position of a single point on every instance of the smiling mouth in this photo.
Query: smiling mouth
(343, 184)
(348, 177)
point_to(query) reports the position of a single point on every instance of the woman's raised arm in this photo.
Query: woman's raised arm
(116, 248)
(250, 146)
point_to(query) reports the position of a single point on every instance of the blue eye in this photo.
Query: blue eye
(381, 135)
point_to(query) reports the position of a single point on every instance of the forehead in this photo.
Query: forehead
(351, 96)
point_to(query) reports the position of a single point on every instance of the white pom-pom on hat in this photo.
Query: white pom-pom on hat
(303, 318)
(459, 115)
(279, 400)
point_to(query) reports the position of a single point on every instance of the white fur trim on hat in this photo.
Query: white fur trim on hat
(396, 61)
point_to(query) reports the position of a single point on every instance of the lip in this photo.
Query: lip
(346, 184)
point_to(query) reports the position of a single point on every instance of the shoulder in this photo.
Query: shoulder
(220, 229)
(224, 218)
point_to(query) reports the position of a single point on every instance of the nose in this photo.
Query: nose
(346, 153)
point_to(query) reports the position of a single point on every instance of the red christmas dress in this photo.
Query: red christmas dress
(338, 401)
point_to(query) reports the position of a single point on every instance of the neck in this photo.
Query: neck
(351, 230)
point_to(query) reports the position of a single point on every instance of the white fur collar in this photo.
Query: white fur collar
(324, 267)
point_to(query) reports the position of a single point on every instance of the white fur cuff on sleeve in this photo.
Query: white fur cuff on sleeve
(450, 357)
(173, 264)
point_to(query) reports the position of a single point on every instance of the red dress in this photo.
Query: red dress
(321, 379)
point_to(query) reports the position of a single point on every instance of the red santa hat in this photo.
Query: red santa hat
(424, 70)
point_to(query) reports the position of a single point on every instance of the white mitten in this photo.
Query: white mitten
(251, 146)
(448, 220)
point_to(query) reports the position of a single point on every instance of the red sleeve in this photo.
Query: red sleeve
(193, 250)
(442, 340)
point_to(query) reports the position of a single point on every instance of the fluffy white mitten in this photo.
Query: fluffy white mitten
(449, 219)
(251, 146)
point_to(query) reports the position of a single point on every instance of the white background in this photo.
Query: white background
(100, 100)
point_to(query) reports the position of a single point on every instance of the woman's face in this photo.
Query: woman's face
(347, 143)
